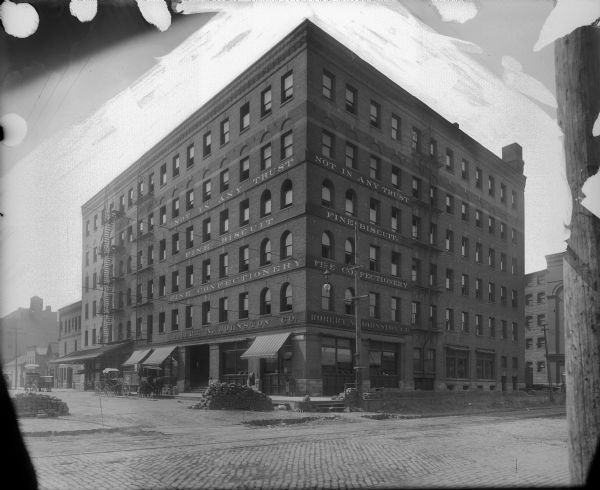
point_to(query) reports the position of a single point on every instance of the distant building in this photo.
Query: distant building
(27, 327)
(36, 359)
(69, 340)
(544, 309)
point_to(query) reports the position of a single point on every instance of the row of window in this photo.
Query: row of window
(72, 324)
(541, 320)
(458, 364)
(266, 161)
(395, 128)
(540, 299)
(541, 343)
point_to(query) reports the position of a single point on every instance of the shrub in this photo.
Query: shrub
(34, 404)
(230, 396)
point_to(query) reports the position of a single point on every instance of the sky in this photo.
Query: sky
(100, 98)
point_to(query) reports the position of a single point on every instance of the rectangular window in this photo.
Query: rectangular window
(503, 295)
(287, 87)
(190, 155)
(350, 155)
(189, 199)
(174, 281)
(478, 218)
(265, 157)
(449, 160)
(478, 325)
(189, 276)
(374, 211)
(287, 145)
(395, 128)
(478, 177)
(491, 257)
(205, 271)
(189, 237)
(502, 193)
(174, 319)
(225, 132)
(161, 322)
(416, 228)
(464, 284)
(375, 114)
(162, 285)
(245, 116)
(415, 270)
(206, 313)
(416, 188)
(327, 144)
(374, 167)
(175, 165)
(244, 212)
(206, 144)
(432, 233)
(491, 225)
(265, 102)
(504, 329)
(478, 286)
(464, 169)
(415, 140)
(464, 322)
(396, 176)
(373, 258)
(244, 169)
(464, 211)
(243, 305)
(328, 85)
(433, 275)
(464, 247)
(449, 241)
(433, 148)
(373, 305)
(395, 264)
(224, 221)
(175, 243)
(449, 204)
(514, 332)
(350, 99)
(223, 265)
(395, 220)
(449, 319)
(415, 313)
(449, 279)
(206, 230)
(175, 208)
(206, 190)
(396, 313)
(223, 309)
(224, 180)
(244, 258)
(492, 326)
(513, 199)
(491, 186)
(162, 249)
(491, 292)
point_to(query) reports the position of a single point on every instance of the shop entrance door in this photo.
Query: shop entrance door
(199, 366)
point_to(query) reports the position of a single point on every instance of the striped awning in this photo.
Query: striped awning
(266, 346)
(88, 354)
(137, 357)
(159, 355)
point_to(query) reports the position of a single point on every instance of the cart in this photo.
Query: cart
(46, 383)
(110, 383)
(32, 381)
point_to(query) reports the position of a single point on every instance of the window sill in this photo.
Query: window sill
(285, 101)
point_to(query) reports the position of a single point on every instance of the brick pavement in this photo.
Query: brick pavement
(166, 445)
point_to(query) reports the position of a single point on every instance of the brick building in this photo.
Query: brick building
(69, 341)
(211, 248)
(28, 327)
(544, 324)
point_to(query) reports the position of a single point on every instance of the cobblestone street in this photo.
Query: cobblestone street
(163, 444)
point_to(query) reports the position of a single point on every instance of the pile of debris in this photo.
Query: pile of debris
(38, 405)
(230, 396)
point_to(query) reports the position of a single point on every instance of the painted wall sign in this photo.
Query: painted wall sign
(323, 264)
(236, 191)
(239, 326)
(347, 322)
(359, 178)
(263, 272)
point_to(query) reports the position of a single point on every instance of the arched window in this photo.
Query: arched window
(265, 301)
(286, 245)
(265, 252)
(349, 251)
(327, 193)
(286, 297)
(350, 202)
(349, 301)
(265, 203)
(326, 246)
(286, 194)
(326, 297)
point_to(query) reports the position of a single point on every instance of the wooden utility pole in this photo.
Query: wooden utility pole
(577, 58)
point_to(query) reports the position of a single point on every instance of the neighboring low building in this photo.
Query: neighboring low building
(544, 310)
(36, 359)
(69, 335)
(26, 327)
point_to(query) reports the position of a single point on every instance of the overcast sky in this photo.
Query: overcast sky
(69, 93)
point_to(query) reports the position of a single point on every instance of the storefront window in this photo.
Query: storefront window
(232, 362)
(457, 364)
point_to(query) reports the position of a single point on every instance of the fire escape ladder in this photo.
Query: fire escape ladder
(107, 282)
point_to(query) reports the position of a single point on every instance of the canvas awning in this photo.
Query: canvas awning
(137, 357)
(88, 354)
(159, 355)
(266, 346)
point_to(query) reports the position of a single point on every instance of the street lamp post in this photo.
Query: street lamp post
(353, 300)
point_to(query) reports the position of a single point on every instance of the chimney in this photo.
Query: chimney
(513, 155)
